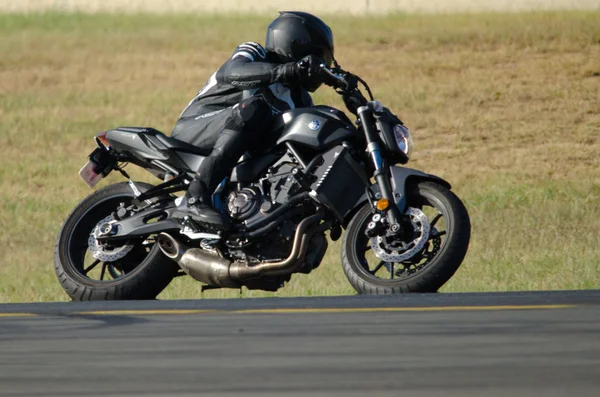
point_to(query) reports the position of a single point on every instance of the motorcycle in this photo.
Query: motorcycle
(405, 230)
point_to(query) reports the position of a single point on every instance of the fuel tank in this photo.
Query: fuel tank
(318, 127)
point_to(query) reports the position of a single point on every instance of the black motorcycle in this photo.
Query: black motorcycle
(405, 230)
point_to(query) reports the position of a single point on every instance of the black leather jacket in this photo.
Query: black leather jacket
(246, 73)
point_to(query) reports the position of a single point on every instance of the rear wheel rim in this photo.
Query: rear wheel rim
(92, 270)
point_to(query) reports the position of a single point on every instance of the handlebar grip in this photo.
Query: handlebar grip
(337, 77)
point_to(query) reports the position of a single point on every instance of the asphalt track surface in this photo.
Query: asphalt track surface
(501, 344)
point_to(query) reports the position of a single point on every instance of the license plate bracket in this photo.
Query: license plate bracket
(100, 164)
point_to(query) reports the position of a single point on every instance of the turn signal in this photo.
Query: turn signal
(382, 204)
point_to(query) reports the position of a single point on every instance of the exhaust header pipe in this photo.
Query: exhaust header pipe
(212, 269)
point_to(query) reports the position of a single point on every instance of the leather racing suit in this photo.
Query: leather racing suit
(235, 109)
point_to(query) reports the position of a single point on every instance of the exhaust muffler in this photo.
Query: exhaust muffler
(202, 265)
(212, 269)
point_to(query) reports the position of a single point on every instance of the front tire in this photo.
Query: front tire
(425, 271)
(142, 273)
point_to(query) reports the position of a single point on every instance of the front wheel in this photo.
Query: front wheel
(89, 270)
(424, 259)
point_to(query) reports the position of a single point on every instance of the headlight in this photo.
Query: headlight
(403, 139)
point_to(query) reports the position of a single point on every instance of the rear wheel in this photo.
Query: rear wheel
(89, 270)
(421, 262)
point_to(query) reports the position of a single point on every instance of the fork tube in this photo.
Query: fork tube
(382, 173)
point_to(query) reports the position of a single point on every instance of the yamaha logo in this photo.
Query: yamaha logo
(314, 125)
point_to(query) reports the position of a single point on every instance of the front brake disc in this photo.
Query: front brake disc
(388, 253)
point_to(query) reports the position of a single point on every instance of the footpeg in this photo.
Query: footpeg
(192, 234)
(208, 244)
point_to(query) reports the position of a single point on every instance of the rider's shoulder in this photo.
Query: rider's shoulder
(251, 50)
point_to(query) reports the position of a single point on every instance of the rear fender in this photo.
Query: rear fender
(400, 178)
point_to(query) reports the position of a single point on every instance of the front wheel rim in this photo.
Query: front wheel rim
(382, 272)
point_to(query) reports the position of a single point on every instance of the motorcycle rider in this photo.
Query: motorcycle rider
(241, 100)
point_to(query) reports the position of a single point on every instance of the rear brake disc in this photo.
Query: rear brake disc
(103, 252)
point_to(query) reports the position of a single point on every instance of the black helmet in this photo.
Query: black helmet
(294, 35)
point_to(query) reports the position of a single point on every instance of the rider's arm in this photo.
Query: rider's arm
(307, 100)
(248, 68)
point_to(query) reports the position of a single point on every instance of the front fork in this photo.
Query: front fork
(382, 171)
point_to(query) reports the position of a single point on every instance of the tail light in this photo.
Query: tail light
(101, 139)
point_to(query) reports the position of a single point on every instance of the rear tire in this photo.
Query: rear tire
(438, 267)
(144, 279)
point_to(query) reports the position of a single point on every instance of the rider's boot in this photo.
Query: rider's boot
(229, 147)
(196, 204)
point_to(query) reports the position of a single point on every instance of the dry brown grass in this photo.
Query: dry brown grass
(315, 6)
(506, 107)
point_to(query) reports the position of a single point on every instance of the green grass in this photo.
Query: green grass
(504, 106)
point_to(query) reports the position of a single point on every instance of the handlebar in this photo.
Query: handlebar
(345, 84)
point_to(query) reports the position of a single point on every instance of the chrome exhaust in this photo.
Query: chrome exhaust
(211, 269)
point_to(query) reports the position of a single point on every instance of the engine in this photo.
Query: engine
(251, 202)
(249, 205)
(263, 236)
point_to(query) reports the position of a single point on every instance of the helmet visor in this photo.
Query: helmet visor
(325, 54)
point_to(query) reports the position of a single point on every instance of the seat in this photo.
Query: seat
(168, 142)
(181, 146)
